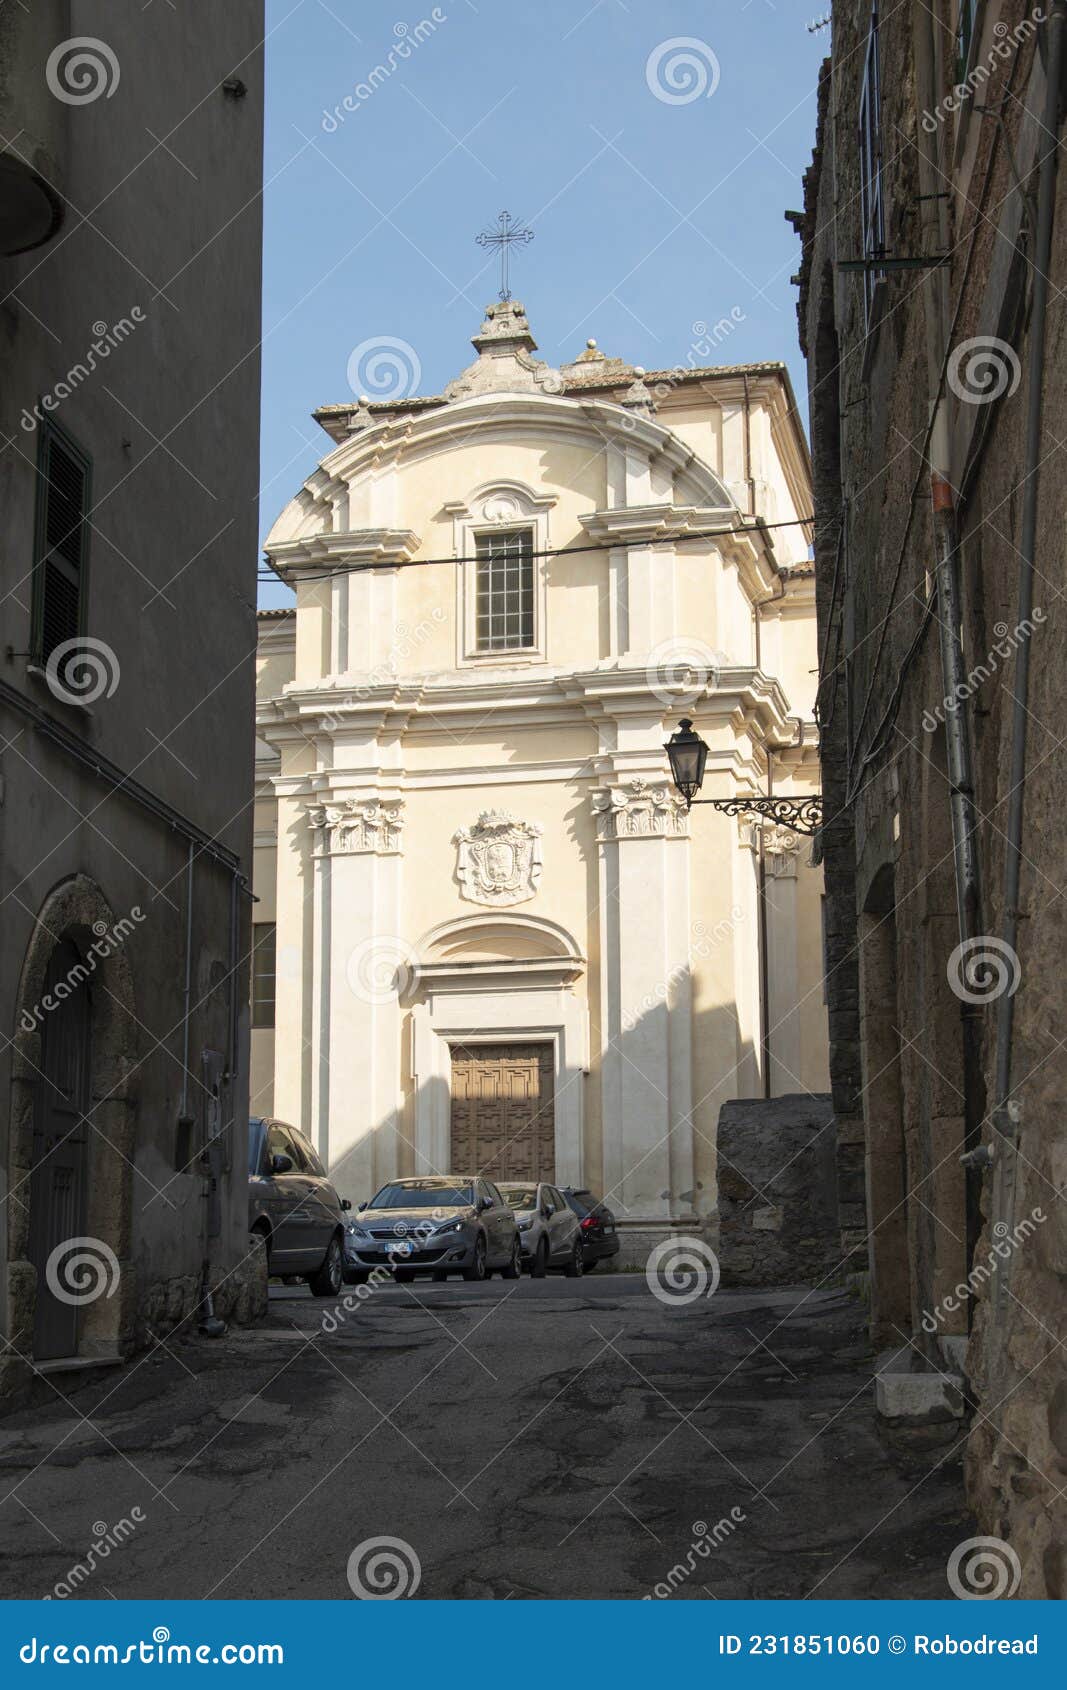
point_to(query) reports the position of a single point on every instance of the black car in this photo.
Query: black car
(599, 1237)
(293, 1207)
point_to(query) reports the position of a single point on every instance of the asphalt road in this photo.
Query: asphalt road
(549, 1438)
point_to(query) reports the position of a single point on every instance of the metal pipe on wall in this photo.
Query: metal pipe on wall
(966, 864)
(1042, 249)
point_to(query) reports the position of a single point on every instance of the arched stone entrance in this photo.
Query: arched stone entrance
(75, 1005)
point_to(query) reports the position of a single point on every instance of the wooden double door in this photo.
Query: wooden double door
(503, 1114)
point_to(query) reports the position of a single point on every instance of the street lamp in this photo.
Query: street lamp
(687, 754)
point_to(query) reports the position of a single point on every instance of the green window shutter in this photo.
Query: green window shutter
(61, 542)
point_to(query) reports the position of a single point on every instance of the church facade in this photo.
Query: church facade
(489, 934)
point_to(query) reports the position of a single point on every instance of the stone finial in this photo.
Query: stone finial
(505, 363)
(637, 397)
(360, 417)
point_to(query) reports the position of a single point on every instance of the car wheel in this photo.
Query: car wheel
(588, 1267)
(356, 1276)
(575, 1262)
(540, 1261)
(477, 1270)
(514, 1267)
(331, 1275)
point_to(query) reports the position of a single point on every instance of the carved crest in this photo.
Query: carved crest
(499, 859)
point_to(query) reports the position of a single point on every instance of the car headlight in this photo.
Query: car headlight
(355, 1231)
(449, 1226)
(524, 1226)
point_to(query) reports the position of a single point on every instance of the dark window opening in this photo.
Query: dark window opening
(61, 543)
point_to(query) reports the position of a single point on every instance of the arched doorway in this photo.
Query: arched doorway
(71, 1141)
(60, 1135)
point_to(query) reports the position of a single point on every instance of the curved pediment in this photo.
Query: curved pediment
(396, 448)
(498, 938)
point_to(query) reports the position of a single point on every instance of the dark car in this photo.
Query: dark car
(294, 1208)
(599, 1237)
(439, 1224)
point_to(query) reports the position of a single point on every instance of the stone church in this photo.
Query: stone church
(489, 933)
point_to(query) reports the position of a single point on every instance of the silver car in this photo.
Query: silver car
(549, 1231)
(457, 1223)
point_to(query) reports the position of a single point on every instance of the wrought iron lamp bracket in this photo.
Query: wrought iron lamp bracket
(799, 815)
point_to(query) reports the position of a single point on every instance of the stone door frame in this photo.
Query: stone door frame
(76, 910)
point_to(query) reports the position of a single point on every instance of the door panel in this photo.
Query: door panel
(503, 1116)
(294, 1246)
(60, 1148)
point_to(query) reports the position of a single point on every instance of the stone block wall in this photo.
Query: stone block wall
(778, 1197)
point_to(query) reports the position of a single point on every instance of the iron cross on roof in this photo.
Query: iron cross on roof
(509, 234)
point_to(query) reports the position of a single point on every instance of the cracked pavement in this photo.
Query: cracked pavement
(540, 1439)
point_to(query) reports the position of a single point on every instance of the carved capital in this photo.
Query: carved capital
(355, 826)
(781, 846)
(638, 809)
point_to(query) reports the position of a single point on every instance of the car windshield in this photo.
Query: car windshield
(423, 1194)
(519, 1196)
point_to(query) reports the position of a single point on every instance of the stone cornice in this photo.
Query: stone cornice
(358, 546)
(439, 704)
(634, 524)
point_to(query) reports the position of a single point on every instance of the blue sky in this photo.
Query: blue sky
(650, 214)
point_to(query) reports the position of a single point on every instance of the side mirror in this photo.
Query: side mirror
(361, 1208)
(281, 1164)
(483, 1204)
(345, 1204)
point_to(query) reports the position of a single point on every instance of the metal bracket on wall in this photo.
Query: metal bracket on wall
(889, 261)
(1005, 1166)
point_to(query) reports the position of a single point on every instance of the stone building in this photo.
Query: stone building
(129, 178)
(933, 215)
(490, 934)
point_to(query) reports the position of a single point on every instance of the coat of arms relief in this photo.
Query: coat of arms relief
(499, 859)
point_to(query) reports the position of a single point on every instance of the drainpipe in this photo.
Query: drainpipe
(1003, 1123)
(185, 1120)
(749, 482)
(964, 840)
(966, 867)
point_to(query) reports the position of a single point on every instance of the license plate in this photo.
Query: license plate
(403, 1248)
